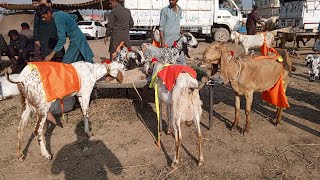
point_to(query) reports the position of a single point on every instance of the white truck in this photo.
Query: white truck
(213, 19)
(302, 13)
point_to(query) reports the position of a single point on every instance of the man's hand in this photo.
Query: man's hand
(49, 57)
(106, 39)
(37, 43)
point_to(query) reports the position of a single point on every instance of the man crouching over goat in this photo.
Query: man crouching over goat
(43, 82)
(177, 87)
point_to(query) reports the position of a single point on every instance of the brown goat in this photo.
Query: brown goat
(248, 76)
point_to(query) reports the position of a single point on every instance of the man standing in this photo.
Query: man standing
(119, 23)
(45, 35)
(252, 21)
(79, 49)
(170, 26)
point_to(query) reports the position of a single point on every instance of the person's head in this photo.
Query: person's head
(13, 34)
(173, 3)
(25, 25)
(113, 3)
(254, 7)
(36, 3)
(44, 12)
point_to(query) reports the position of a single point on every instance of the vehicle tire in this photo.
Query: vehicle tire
(96, 36)
(222, 35)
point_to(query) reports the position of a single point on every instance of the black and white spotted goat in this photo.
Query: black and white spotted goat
(314, 62)
(168, 55)
(131, 59)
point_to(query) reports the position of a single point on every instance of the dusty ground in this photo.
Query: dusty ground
(123, 145)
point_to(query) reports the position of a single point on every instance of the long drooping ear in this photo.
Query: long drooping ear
(224, 66)
(120, 77)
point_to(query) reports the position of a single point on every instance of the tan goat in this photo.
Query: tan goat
(248, 76)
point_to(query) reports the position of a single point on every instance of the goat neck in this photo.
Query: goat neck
(230, 67)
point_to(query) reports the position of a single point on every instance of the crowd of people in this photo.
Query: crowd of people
(52, 27)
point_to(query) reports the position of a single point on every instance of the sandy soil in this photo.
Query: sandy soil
(123, 145)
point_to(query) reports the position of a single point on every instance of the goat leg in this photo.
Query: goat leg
(249, 98)
(177, 136)
(197, 123)
(169, 114)
(84, 103)
(278, 116)
(40, 136)
(237, 112)
(24, 118)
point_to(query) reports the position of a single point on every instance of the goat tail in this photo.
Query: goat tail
(6, 72)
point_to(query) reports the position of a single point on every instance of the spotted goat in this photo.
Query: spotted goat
(33, 97)
(314, 62)
(168, 55)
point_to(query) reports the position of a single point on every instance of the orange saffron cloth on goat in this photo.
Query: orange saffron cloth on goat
(169, 74)
(58, 79)
(275, 95)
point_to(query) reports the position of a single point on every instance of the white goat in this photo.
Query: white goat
(314, 61)
(183, 105)
(168, 55)
(33, 97)
(8, 89)
(252, 41)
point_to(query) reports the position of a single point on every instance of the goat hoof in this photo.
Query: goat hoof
(169, 132)
(48, 156)
(174, 165)
(246, 130)
(233, 126)
(21, 157)
(201, 163)
(189, 123)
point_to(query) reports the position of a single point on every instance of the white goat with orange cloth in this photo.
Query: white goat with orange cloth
(38, 88)
(177, 87)
(252, 41)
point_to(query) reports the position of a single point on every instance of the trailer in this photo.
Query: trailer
(214, 19)
(302, 13)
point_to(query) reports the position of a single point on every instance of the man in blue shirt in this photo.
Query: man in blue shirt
(170, 26)
(79, 48)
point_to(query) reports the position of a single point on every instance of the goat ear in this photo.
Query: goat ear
(120, 77)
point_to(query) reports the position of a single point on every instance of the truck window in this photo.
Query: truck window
(228, 5)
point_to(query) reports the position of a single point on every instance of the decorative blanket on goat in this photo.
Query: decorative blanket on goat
(170, 73)
(275, 95)
(58, 79)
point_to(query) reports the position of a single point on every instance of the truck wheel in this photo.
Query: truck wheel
(221, 35)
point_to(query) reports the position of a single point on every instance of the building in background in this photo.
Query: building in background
(268, 8)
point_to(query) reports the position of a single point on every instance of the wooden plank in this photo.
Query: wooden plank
(301, 52)
(135, 77)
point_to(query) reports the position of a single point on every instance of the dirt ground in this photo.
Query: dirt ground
(123, 145)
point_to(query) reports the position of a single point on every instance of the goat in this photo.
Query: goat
(168, 55)
(252, 41)
(270, 23)
(33, 97)
(8, 89)
(183, 105)
(248, 76)
(314, 61)
(131, 59)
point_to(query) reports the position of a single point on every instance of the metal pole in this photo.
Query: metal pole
(210, 105)
(102, 10)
